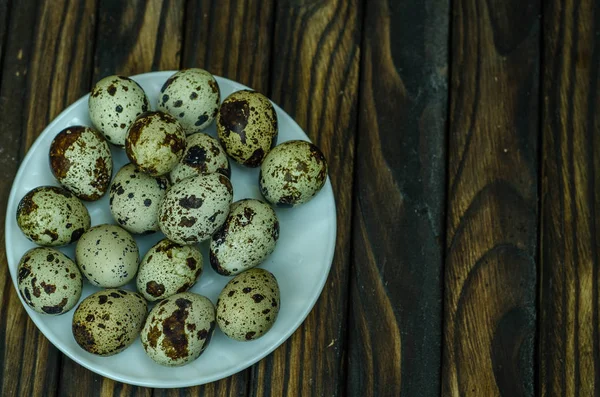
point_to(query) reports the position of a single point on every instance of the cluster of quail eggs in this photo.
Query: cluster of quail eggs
(177, 183)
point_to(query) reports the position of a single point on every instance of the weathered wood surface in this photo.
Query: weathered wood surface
(394, 345)
(43, 41)
(462, 143)
(492, 204)
(569, 349)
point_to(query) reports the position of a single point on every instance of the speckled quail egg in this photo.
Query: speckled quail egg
(195, 208)
(247, 127)
(193, 97)
(248, 305)
(114, 103)
(168, 268)
(203, 155)
(49, 281)
(179, 329)
(155, 143)
(246, 238)
(135, 198)
(293, 173)
(108, 256)
(107, 322)
(52, 216)
(80, 160)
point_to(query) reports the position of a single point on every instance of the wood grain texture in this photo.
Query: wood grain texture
(315, 79)
(45, 69)
(231, 39)
(133, 37)
(490, 270)
(138, 36)
(4, 18)
(569, 350)
(394, 342)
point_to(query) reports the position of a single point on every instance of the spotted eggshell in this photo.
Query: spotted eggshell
(108, 256)
(293, 173)
(114, 103)
(80, 160)
(135, 199)
(192, 96)
(203, 155)
(168, 268)
(52, 216)
(248, 305)
(195, 208)
(107, 322)
(49, 281)
(155, 143)
(246, 238)
(247, 127)
(179, 329)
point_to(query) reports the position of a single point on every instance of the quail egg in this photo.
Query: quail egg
(107, 322)
(52, 216)
(114, 103)
(195, 208)
(203, 155)
(179, 329)
(168, 268)
(135, 198)
(192, 96)
(108, 256)
(49, 281)
(155, 143)
(247, 127)
(246, 238)
(80, 160)
(248, 305)
(293, 173)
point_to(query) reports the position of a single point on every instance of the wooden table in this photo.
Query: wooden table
(464, 149)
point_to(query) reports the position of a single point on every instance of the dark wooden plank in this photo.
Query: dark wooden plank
(4, 9)
(569, 344)
(231, 39)
(138, 36)
(149, 35)
(394, 343)
(46, 67)
(315, 79)
(490, 270)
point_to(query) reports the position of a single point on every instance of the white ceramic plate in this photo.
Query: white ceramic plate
(301, 260)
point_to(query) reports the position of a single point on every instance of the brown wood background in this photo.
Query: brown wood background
(463, 139)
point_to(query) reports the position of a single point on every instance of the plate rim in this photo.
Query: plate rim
(11, 202)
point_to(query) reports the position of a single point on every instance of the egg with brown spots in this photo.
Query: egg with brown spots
(179, 329)
(247, 127)
(247, 237)
(49, 281)
(195, 208)
(192, 96)
(135, 199)
(155, 143)
(248, 305)
(203, 155)
(52, 216)
(108, 256)
(114, 103)
(107, 322)
(293, 173)
(80, 160)
(168, 268)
